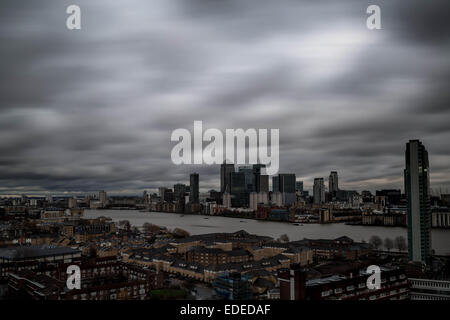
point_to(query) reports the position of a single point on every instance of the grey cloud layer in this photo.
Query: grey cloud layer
(94, 109)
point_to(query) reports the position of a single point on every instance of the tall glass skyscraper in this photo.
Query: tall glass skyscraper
(249, 178)
(275, 184)
(194, 194)
(333, 184)
(239, 194)
(319, 191)
(417, 189)
(225, 170)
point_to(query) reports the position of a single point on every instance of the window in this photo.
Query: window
(325, 293)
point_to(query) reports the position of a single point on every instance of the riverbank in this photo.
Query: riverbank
(196, 224)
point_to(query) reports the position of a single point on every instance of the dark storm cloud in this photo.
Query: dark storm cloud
(93, 109)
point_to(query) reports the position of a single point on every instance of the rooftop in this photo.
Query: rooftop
(34, 252)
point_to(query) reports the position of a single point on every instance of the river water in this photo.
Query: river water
(196, 224)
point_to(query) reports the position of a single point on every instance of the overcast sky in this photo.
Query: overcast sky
(94, 109)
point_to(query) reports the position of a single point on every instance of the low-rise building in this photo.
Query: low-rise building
(429, 289)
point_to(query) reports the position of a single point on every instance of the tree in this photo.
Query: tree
(400, 243)
(135, 230)
(388, 244)
(284, 238)
(150, 228)
(125, 224)
(180, 233)
(375, 241)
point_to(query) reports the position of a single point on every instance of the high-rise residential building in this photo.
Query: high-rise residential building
(194, 185)
(319, 191)
(417, 189)
(333, 184)
(225, 170)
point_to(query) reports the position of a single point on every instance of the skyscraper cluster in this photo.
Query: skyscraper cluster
(237, 186)
(247, 187)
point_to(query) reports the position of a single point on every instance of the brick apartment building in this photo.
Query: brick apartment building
(295, 285)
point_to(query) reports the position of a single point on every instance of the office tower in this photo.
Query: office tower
(162, 191)
(299, 186)
(226, 200)
(253, 201)
(333, 185)
(286, 183)
(179, 190)
(257, 168)
(215, 196)
(249, 178)
(263, 185)
(275, 184)
(225, 171)
(417, 189)
(102, 197)
(319, 191)
(168, 195)
(239, 194)
(194, 186)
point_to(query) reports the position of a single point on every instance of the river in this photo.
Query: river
(197, 224)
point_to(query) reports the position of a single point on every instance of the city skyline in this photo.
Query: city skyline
(93, 109)
(237, 169)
